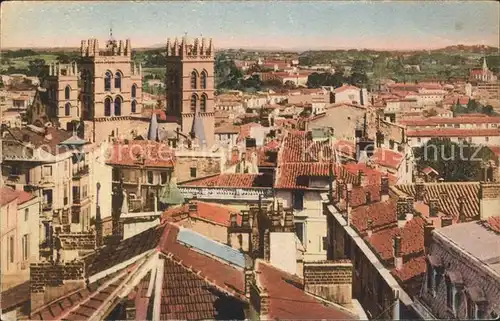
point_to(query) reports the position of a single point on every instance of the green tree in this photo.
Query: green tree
(455, 162)
(37, 67)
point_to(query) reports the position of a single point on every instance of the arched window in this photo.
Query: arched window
(194, 75)
(67, 108)
(203, 104)
(203, 80)
(193, 103)
(133, 92)
(133, 106)
(107, 81)
(118, 106)
(67, 91)
(107, 107)
(118, 80)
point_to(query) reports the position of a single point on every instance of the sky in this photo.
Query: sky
(298, 25)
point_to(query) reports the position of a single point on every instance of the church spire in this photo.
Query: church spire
(153, 128)
(485, 66)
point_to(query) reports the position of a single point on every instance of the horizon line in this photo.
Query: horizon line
(152, 47)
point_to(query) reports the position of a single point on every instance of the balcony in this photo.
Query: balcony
(79, 171)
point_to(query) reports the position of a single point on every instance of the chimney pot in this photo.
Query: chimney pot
(428, 228)
(446, 221)
(398, 259)
(433, 207)
(384, 187)
(369, 226)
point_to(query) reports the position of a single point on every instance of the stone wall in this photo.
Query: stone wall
(77, 241)
(50, 281)
(331, 280)
(205, 166)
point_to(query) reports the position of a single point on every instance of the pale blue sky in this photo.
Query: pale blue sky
(297, 25)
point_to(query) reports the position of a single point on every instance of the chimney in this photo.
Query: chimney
(368, 196)
(428, 228)
(398, 258)
(276, 218)
(192, 206)
(401, 210)
(348, 203)
(461, 209)
(369, 226)
(419, 190)
(362, 179)
(245, 219)
(433, 207)
(384, 188)
(446, 221)
(409, 208)
(232, 220)
(330, 280)
(489, 199)
(249, 279)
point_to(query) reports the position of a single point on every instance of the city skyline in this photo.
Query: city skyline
(266, 25)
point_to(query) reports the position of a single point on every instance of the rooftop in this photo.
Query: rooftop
(230, 180)
(477, 240)
(139, 153)
(212, 212)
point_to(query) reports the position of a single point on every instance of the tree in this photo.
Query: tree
(488, 110)
(455, 162)
(289, 84)
(37, 68)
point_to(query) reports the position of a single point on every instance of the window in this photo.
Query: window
(84, 191)
(75, 217)
(486, 139)
(150, 177)
(76, 194)
(203, 104)
(26, 214)
(324, 243)
(298, 200)
(133, 107)
(431, 279)
(107, 81)
(67, 91)
(471, 309)
(67, 109)
(25, 246)
(193, 103)
(203, 80)
(419, 140)
(118, 80)
(116, 174)
(192, 171)
(11, 249)
(47, 171)
(299, 231)
(107, 106)
(163, 177)
(194, 75)
(118, 106)
(133, 92)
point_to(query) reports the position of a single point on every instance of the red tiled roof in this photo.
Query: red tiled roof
(345, 87)
(493, 223)
(299, 147)
(288, 301)
(23, 196)
(495, 150)
(154, 154)
(7, 195)
(15, 296)
(227, 129)
(446, 120)
(41, 139)
(213, 212)
(387, 158)
(234, 180)
(448, 195)
(452, 132)
(411, 274)
(289, 174)
(429, 170)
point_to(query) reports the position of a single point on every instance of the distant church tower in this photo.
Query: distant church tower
(62, 91)
(111, 83)
(190, 86)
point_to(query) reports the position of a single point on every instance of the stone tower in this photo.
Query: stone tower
(62, 89)
(190, 86)
(111, 85)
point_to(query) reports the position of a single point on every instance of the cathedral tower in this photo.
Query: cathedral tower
(190, 86)
(62, 90)
(111, 82)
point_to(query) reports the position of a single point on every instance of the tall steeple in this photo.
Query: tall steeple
(153, 128)
(485, 66)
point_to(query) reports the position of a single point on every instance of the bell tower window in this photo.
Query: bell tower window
(194, 75)
(67, 91)
(203, 80)
(193, 103)
(67, 108)
(107, 106)
(107, 81)
(203, 104)
(118, 106)
(118, 80)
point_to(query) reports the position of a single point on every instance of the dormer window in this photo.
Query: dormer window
(475, 303)
(454, 284)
